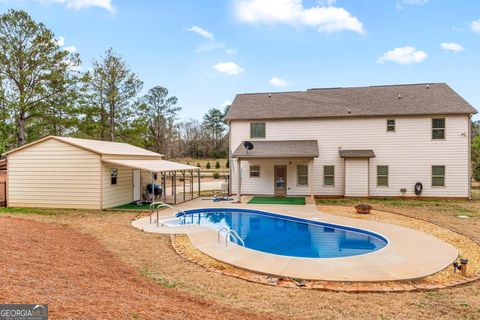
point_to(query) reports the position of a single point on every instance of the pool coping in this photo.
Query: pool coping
(408, 255)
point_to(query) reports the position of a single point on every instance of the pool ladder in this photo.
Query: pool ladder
(156, 206)
(228, 234)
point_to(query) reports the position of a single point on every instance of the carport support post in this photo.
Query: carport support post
(174, 186)
(191, 184)
(198, 171)
(153, 186)
(184, 181)
(164, 186)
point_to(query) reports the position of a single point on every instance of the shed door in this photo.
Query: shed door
(136, 185)
(356, 177)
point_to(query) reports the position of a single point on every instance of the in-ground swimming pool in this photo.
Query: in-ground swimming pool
(287, 236)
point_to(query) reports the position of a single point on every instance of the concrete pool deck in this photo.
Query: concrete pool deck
(410, 254)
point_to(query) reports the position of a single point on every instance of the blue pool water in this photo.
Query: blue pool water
(288, 236)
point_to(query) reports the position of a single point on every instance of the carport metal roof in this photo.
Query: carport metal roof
(151, 165)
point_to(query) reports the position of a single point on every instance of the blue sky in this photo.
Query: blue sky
(206, 51)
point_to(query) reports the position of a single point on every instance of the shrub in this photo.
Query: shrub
(217, 165)
(227, 165)
(198, 165)
(216, 175)
(188, 162)
(476, 174)
(208, 166)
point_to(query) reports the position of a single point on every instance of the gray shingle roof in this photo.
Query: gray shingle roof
(356, 153)
(410, 99)
(279, 149)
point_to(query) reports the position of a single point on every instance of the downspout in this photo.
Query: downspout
(470, 173)
(239, 182)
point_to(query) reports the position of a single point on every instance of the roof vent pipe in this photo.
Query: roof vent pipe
(428, 85)
(269, 95)
(399, 96)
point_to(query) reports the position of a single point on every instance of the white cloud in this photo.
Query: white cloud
(82, 4)
(231, 51)
(405, 55)
(402, 3)
(278, 82)
(325, 18)
(60, 41)
(225, 103)
(451, 46)
(230, 68)
(211, 46)
(204, 33)
(70, 49)
(475, 25)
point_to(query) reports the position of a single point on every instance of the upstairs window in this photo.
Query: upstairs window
(382, 176)
(438, 176)
(257, 130)
(391, 125)
(438, 128)
(329, 175)
(254, 171)
(302, 175)
(113, 176)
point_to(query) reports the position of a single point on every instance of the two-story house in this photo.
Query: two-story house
(379, 141)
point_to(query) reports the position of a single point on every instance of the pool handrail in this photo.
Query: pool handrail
(230, 232)
(160, 204)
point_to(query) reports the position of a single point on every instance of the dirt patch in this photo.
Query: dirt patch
(80, 279)
(153, 256)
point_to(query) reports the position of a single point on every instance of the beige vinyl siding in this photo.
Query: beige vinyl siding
(356, 177)
(54, 174)
(120, 193)
(409, 152)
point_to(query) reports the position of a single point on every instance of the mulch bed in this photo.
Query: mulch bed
(80, 279)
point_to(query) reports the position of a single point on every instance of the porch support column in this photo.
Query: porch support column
(239, 182)
(311, 175)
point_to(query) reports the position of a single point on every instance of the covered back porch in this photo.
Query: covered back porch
(274, 168)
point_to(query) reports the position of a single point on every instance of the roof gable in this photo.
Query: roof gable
(392, 100)
(97, 146)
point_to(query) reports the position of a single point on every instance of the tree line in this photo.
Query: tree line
(44, 92)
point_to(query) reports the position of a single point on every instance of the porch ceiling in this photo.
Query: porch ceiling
(152, 165)
(278, 149)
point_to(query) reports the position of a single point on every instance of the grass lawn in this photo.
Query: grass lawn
(113, 242)
(278, 200)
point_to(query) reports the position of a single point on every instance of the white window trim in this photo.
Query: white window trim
(444, 129)
(265, 126)
(303, 175)
(388, 176)
(250, 171)
(394, 126)
(444, 176)
(333, 176)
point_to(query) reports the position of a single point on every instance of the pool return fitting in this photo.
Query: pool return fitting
(462, 266)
